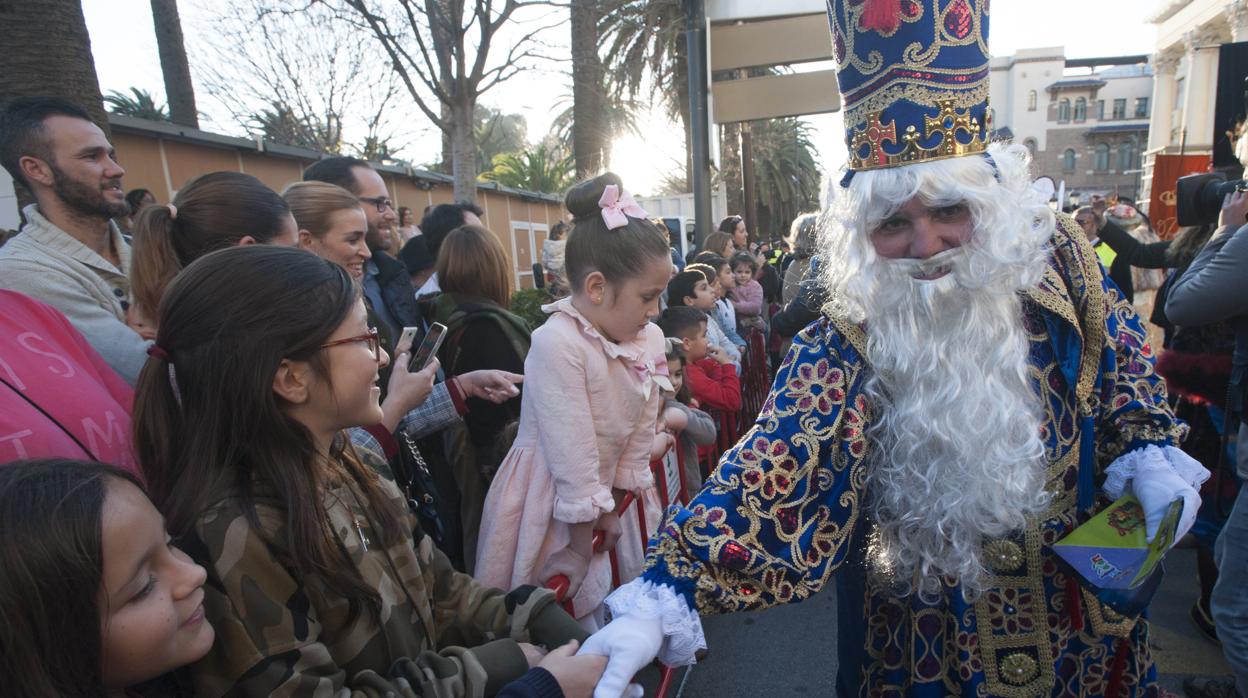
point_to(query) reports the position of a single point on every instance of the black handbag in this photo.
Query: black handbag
(416, 481)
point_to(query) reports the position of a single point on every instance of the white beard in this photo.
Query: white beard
(956, 434)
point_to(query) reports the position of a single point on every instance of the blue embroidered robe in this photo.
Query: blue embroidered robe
(777, 517)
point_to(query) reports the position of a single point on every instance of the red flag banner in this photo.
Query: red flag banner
(1166, 172)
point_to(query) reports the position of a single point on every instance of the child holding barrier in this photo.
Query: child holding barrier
(593, 382)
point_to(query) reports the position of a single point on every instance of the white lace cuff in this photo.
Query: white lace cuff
(682, 629)
(1120, 473)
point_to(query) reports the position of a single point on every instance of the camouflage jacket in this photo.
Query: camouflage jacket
(439, 634)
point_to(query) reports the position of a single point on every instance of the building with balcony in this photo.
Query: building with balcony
(1085, 124)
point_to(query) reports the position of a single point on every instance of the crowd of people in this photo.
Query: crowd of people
(226, 475)
(204, 389)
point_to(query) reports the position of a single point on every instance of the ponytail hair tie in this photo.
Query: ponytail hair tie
(173, 212)
(157, 351)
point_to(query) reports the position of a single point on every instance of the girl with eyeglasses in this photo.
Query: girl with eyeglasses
(319, 577)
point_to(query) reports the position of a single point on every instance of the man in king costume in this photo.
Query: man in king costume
(975, 390)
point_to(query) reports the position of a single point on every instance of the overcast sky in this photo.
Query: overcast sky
(124, 47)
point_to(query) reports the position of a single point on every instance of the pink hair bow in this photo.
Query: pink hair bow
(617, 205)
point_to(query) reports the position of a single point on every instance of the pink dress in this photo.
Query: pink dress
(587, 422)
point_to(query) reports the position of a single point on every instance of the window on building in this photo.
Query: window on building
(1141, 108)
(1081, 109)
(1102, 157)
(1031, 100)
(1032, 146)
(1063, 110)
(1120, 108)
(1127, 157)
(1068, 160)
(1100, 110)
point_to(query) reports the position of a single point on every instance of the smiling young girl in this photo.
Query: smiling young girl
(93, 596)
(319, 576)
(591, 401)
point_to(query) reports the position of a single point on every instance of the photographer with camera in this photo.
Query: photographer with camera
(1213, 289)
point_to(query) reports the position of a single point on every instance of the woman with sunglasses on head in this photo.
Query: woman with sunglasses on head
(319, 577)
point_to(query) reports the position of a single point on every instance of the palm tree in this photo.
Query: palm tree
(496, 133)
(279, 123)
(644, 39)
(618, 117)
(536, 169)
(179, 89)
(590, 139)
(787, 179)
(47, 52)
(139, 103)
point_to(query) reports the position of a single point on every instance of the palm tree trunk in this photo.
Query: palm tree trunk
(47, 52)
(750, 212)
(730, 166)
(681, 77)
(179, 90)
(589, 138)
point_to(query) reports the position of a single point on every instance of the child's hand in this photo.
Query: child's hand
(659, 447)
(570, 564)
(577, 674)
(609, 524)
(719, 355)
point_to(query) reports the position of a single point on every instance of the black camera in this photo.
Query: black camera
(1199, 197)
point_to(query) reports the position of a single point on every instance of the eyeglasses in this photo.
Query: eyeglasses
(374, 342)
(382, 203)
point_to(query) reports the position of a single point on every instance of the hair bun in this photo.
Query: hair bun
(582, 199)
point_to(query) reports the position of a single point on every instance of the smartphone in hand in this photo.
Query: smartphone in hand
(428, 348)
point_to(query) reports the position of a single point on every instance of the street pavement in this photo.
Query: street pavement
(791, 650)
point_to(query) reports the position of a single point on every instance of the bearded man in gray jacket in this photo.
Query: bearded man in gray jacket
(70, 254)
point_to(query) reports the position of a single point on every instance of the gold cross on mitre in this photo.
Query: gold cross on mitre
(946, 124)
(874, 135)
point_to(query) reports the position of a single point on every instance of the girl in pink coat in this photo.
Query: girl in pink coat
(592, 392)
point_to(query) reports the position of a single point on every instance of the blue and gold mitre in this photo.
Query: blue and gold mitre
(914, 79)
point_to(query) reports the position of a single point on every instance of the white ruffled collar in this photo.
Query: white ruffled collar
(651, 369)
(633, 351)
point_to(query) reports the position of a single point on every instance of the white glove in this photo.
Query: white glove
(1157, 477)
(1156, 485)
(629, 643)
